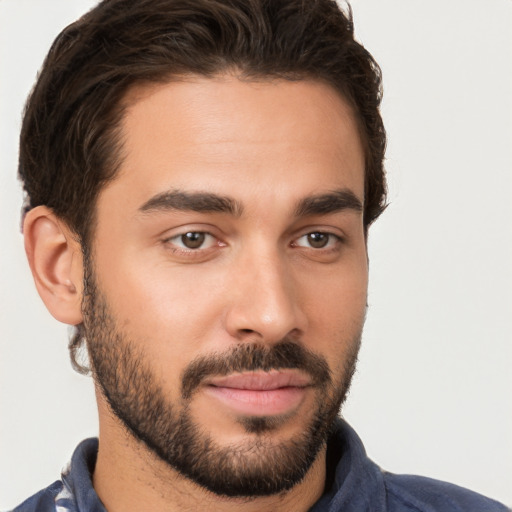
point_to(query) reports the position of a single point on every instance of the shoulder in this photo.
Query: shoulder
(74, 490)
(417, 493)
(361, 485)
(43, 501)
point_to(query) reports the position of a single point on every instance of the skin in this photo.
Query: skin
(267, 145)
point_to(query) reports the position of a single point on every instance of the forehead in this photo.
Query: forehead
(282, 137)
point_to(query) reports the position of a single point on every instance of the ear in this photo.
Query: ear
(55, 259)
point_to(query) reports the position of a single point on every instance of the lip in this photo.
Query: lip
(260, 393)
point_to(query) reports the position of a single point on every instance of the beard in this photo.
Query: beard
(258, 466)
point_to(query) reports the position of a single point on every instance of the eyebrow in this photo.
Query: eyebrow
(330, 202)
(321, 204)
(192, 201)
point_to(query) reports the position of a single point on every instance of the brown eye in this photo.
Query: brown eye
(192, 243)
(193, 240)
(318, 240)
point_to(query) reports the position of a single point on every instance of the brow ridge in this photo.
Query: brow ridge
(192, 201)
(207, 202)
(329, 202)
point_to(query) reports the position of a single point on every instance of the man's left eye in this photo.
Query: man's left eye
(193, 240)
(317, 240)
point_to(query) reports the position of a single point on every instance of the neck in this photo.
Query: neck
(128, 477)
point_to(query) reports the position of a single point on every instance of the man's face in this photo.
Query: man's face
(228, 275)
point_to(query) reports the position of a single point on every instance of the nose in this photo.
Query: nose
(265, 305)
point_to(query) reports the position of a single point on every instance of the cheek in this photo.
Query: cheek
(338, 293)
(336, 313)
(172, 311)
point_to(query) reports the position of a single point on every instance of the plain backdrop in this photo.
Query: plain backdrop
(432, 395)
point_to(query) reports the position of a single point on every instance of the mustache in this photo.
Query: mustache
(253, 357)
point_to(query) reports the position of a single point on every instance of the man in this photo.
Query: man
(201, 177)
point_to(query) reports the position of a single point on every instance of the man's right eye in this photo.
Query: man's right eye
(192, 240)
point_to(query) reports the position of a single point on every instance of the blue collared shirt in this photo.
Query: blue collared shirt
(355, 484)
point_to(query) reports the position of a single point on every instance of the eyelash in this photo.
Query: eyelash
(188, 251)
(332, 239)
(332, 243)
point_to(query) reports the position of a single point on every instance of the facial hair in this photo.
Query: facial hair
(258, 466)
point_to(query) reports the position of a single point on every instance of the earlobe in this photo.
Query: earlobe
(55, 260)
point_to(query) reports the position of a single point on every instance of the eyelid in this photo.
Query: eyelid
(334, 239)
(190, 227)
(328, 229)
(208, 241)
(171, 239)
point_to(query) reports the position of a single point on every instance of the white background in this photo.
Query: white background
(433, 392)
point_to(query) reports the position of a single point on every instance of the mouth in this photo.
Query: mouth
(260, 393)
